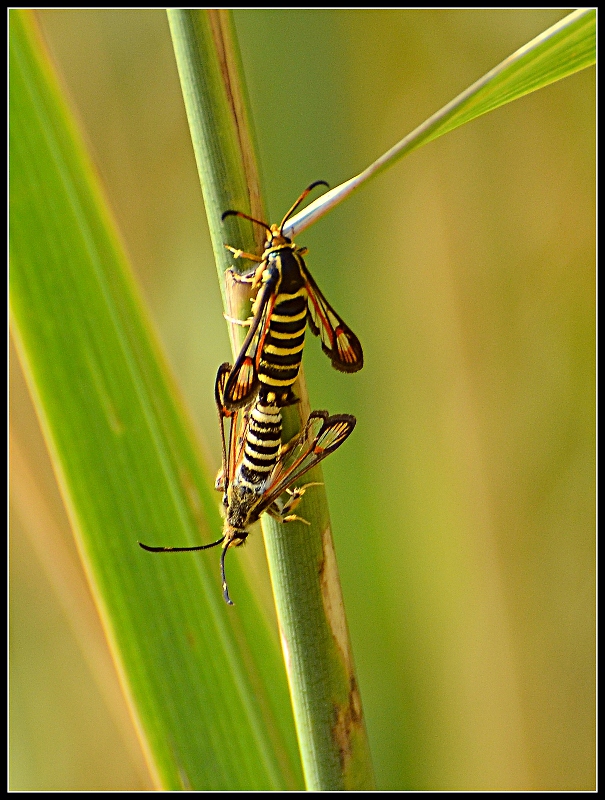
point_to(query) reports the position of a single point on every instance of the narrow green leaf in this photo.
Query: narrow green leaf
(205, 683)
(563, 49)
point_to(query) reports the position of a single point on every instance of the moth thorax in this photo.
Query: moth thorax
(243, 496)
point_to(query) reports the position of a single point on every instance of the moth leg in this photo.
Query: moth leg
(258, 277)
(296, 495)
(243, 322)
(242, 254)
(278, 515)
(294, 518)
(254, 277)
(219, 481)
(237, 277)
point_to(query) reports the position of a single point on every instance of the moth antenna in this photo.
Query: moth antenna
(180, 549)
(299, 201)
(231, 213)
(228, 600)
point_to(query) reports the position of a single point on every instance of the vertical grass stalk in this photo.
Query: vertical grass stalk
(315, 641)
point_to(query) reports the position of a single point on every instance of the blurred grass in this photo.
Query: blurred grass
(468, 273)
(126, 461)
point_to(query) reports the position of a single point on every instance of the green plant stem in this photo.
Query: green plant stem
(324, 690)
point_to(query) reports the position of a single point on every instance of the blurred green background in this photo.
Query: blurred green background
(463, 506)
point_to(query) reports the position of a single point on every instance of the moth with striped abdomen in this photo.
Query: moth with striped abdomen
(257, 469)
(287, 299)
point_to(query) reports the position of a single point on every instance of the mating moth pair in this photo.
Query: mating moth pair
(258, 471)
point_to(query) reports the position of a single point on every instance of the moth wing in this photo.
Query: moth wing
(337, 339)
(228, 423)
(243, 383)
(321, 435)
(223, 477)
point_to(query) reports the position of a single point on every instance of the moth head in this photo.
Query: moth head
(275, 237)
(234, 537)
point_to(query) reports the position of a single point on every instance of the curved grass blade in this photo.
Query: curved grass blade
(564, 48)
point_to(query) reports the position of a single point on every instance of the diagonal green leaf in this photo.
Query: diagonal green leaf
(207, 689)
(562, 50)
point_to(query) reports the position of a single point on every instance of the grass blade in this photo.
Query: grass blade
(206, 688)
(563, 49)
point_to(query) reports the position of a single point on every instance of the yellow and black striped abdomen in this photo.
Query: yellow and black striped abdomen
(261, 447)
(283, 347)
